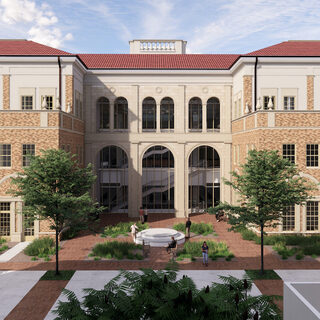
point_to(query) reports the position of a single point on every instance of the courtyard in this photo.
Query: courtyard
(21, 277)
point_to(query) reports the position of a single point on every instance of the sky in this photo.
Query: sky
(209, 26)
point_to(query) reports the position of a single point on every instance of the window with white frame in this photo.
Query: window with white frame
(288, 103)
(5, 155)
(47, 102)
(312, 216)
(4, 218)
(312, 155)
(288, 218)
(26, 102)
(266, 102)
(27, 151)
(288, 152)
(28, 227)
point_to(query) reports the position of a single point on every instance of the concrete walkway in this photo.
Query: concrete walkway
(97, 280)
(299, 275)
(14, 285)
(8, 255)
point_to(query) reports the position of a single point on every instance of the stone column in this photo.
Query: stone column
(158, 117)
(180, 111)
(134, 180)
(6, 91)
(204, 117)
(310, 92)
(111, 114)
(69, 93)
(180, 180)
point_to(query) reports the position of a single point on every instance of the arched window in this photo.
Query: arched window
(149, 114)
(204, 178)
(195, 114)
(213, 114)
(167, 113)
(158, 179)
(103, 106)
(121, 113)
(113, 179)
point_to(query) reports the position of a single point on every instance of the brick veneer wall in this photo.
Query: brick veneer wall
(6, 91)
(247, 92)
(69, 92)
(310, 92)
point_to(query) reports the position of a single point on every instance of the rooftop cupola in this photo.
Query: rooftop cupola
(158, 46)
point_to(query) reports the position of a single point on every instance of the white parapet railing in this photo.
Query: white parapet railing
(157, 46)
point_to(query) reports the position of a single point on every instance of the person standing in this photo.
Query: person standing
(141, 215)
(145, 214)
(205, 251)
(134, 228)
(188, 226)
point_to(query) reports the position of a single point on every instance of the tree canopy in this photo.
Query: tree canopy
(55, 188)
(267, 184)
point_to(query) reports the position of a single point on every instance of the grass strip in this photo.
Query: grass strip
(63, 275)
(201, 228)
(122, 228)
(267, 275)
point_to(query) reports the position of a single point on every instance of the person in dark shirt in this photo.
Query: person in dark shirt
(171, 245)
(188, 226)
(205, 251)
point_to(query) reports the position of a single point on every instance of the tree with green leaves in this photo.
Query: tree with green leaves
(159, 295)
(267, 184)
(55, 188)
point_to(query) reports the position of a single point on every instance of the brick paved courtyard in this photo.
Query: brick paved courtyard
(74, 253)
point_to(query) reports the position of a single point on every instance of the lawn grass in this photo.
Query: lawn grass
(304, 245)
(117, 250)
(122, 228)
(267, 275)
(41, 248)
(216, 250)
(198, 228)
(64, 275)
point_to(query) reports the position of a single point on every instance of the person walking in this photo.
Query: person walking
(134, 228)
(205, 251)
(188, 226)
(141, 214)
(145, 214)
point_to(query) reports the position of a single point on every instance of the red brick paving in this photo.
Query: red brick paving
(36, 304)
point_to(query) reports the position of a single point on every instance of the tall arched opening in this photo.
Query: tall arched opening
(113, 179)
(204, 178)
(158, 179)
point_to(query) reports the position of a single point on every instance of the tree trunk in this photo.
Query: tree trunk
(57, 252)
(261, 246)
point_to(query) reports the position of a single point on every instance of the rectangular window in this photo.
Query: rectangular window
(27, 151)
(5, 155)
(312, 155)
(4, 218)
(312, 216)
(288, 152)
(28, 227)
(266, 102)
(288, 103)
(26, 102)
(288, 219)
(48, 103)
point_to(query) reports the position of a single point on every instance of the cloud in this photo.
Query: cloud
(39, 21)
(240, 19)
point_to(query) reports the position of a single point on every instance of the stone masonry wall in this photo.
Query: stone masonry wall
(247, 92)
(310, 92)
(69, 92)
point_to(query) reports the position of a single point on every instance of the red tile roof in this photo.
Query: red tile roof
(159, 61)
(27, 48)
(290, 48)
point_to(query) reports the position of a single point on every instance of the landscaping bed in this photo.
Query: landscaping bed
(201, 228)
(122, 228)
(116, 250)
(286, 246)
(3, 245)
(191, 250)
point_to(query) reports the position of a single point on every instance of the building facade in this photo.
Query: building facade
(161, 127)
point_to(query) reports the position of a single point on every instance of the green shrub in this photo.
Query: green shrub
(4, 248)
(216, 250)
(197, 228)
(115, 249)
(312, 249)
(41, 247)
(122, 228)
(2, 240)
(299, 256)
